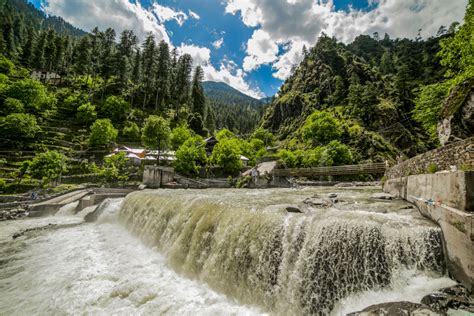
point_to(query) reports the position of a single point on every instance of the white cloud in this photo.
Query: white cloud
(227, 72)
(218, 43)
(194, 15)
(291, 24)
(118, 14)
(165, 14)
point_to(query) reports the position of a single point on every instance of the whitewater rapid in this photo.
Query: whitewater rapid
(187, 252)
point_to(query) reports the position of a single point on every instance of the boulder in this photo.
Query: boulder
(142, 187)
(397, 309)
(316, 201)
(382, 196)
(293, 209)
(455, 297)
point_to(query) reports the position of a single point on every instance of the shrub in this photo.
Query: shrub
(102, 133)
(226, 154)
(132, 131)
(320, 128)
(6, 66)
(116, 108)
(190, 156)
(432, 167)
(115, 168)
(32, 94)
(335, 154)
(19, 127)
(179, 135)
(86, 113)
(48, 166)
(11, 105)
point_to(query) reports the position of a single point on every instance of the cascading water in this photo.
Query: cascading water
(230, 252)
(246, 246)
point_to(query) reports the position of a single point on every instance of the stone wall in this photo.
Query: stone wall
(459, 154)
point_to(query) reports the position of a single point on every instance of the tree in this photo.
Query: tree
(115, 168)
(183, 81)
(11, 105)
(197, 93)
(132, 131)
(17, 128)
(102, 133)
(190, 156)
(156, 133)
(6, 66)
(224, 134)
(48, 166)
(82, 62)
(226, 154)
(32, 94)
(321, 128)
(86, 113)
(264, 135)
(116, 108)
(179, 135)
(335, 154)
(163, 75)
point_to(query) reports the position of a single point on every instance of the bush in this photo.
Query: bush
(115, 168)
(48, 166)
(102, 133)
(3, 185)
(432, 168)
(264, 135)
(336, 154)
(6, 66)
(19, 127)
(11, 105)
(86, 113)
(32, 94)
(320, 128)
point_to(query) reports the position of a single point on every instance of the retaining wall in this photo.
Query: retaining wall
(459, 154)
(448, 199)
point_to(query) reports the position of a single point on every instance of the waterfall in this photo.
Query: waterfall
(287, 263)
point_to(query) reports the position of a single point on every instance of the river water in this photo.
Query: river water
(220, 252)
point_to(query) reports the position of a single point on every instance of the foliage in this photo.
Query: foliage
(190, 156)
(11, 105)
(179, 135)
(335, 154)
(48, 166)
(156, 132)
(18, 127)
(115, 108)
(132, 131)
(428, 106)
(6, 66)
(86, 113)
(264, 135)
(321, 128)
(224, 134)
(115, 168)
(226, 154)
(432, 168)
(102, 133)
(32, 94)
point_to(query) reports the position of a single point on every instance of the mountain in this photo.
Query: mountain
(367, 89)
(231, 108)
(22, 16)
(222, 91)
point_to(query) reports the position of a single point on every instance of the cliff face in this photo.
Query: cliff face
(457, 114)
(372, 92)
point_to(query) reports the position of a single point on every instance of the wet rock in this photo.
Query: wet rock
(397, 309)
(332, 195)
(318, 202)
(142, 187)
(382, 196)
(12, 214)
(455, 297)
(293, 209)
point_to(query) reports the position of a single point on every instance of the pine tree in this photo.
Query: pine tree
(38, 55)
(148, 63)
(163, 75)
(50, 50)
(183, 80)
(197, 93)
(82, 60)
(28, 47)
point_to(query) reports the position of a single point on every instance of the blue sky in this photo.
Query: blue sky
(252, 44)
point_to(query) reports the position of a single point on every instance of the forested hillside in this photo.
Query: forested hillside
(376, 97)
(231, 108)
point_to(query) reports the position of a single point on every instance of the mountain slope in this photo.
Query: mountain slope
(21, 10)
(231, 108)
(371, 94)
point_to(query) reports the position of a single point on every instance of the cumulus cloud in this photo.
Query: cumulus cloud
(194, 15)
(291, 24)
(218, 43)
(118, 14)
(228, 71)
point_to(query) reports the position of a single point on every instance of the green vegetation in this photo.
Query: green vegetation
(432, 168)
(115, 168)
(156, 133)
(190, 157)
(48, 166)
(102, 133)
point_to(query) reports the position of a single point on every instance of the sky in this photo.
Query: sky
(253, 44)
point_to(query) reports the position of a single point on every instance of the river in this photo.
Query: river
(220, 252)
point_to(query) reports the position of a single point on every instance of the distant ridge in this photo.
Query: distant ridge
(224, 92)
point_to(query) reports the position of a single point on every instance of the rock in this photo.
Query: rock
(332, 195)
(293, 209)
(455, 297)
(382, 196)
(318, 202)
(142, 187)
(397, 309)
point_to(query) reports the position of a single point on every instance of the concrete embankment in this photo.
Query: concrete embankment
(85, 198)
(448, 199)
